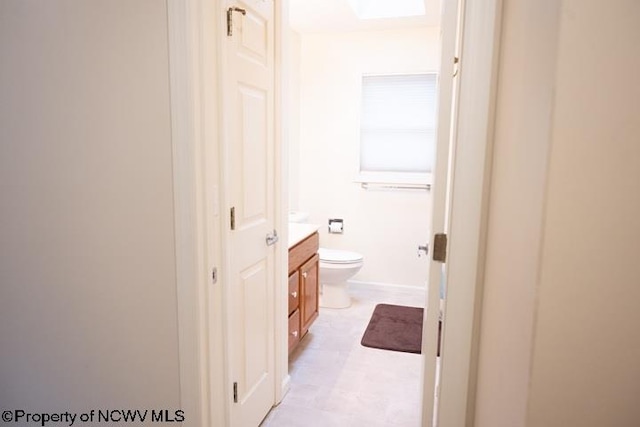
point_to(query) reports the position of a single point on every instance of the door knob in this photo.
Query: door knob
(272, 238)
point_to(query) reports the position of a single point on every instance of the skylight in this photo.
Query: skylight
(377, 9)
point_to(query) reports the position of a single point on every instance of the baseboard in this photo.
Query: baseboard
(357, 284)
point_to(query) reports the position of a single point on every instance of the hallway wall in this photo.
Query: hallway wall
(560, 341)
(586, 350)
(87, 265)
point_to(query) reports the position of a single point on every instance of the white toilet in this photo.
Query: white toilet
(336, 267)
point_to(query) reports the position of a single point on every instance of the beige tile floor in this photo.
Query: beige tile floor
(335, 381)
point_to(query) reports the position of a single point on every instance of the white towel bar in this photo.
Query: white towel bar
(385, 186)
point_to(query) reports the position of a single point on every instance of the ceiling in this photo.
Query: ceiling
(317, 16)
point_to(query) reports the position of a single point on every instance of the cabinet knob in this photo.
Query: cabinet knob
(305, 274)
(294, 333)
(294, 294)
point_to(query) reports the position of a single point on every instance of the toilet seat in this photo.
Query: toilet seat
(335, 256)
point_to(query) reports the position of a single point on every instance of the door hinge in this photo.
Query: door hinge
(233, 218)
(440, 247)
(230, 18)
(235, 392)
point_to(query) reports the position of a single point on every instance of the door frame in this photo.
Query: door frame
(196, 43)
(282, 203)
(194, 28)
(279, 302)
(470, 176)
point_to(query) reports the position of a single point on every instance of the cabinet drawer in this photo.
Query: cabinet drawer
(294, 291)
(294, 329)
(303, 251)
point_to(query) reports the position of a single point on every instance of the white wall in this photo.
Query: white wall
(560, 341)
(521, 146)
(586, 359)
(294, 119)
(385, 226)
(87, 265)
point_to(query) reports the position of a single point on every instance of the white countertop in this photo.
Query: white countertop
(300, 231)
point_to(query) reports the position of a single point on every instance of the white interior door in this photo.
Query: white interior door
(441, 191)
(249, 119)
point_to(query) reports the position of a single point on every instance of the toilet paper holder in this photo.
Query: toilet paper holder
(336, 226)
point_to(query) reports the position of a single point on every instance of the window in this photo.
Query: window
(397, 128)
(375, 9)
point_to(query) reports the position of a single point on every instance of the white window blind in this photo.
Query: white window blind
(398, 121)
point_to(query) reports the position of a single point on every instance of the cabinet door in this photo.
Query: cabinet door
(309, 292)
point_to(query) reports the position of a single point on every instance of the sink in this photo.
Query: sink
(298, 216)
(298, 232)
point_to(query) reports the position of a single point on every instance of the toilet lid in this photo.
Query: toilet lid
(335, 256)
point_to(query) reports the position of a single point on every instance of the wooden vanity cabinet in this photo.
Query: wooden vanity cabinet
(303, 288)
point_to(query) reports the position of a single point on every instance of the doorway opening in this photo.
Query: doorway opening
(338, 68)
(468, 189)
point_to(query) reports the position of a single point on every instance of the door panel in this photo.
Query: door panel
(249, 116)
(254, 39)
(254, 293)
(253, 136)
